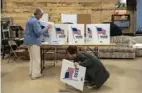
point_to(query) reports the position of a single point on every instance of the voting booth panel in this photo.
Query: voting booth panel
(60, 33)
(49, 36)
(98, 33)
(76, 34)
(71, 75)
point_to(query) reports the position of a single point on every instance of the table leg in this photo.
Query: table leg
(41, 59)
(96, 51)
(55, 56)
(3, 50)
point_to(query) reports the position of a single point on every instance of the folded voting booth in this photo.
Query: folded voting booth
(71, 75)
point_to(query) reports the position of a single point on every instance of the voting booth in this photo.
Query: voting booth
(98, 33)
(76, 34)
(60, 33)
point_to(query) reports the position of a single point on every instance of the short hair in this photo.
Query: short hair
(38, 11)
(72, 49)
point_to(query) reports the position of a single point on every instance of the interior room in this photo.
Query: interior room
(71, 46)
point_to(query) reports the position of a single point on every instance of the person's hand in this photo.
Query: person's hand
(75, 64)
(49, 26)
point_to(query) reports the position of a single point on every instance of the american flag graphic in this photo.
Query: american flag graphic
(59, 30)
(70, 70)
(76, 31)
(100, 30)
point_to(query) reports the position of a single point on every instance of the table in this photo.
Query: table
(46, 47)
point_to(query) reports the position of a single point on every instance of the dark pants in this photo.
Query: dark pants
(99, 79)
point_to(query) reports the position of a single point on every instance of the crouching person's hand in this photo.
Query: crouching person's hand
(75, 64)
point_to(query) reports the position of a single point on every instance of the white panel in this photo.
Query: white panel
(59, 34)
(71, 18)
(44, 17)
(71, 75)
(98, 33)
(76, 34)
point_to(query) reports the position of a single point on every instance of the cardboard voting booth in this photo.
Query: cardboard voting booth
(44, 23)
(60, 33)
(98, 33)
(48, 37)
(76, 34)
(71, 75)
(45, 38)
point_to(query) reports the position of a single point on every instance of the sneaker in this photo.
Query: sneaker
(86, 82)
(91, 86)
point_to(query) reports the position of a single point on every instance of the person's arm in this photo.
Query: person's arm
(49, 26)
(37, 29)
(76, 60)
(83, 60)
(46, 32)
(86, 63)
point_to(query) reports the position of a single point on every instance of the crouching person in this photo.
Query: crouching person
(96, 73)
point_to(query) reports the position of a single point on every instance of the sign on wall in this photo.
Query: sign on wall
(98, 33)
(120, 12)
(69, 18)
(71, 75)
(76, 34)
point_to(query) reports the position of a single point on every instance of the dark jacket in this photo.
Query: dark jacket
(95, 70)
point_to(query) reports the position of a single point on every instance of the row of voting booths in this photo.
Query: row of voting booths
(80, 31)
(79, 34)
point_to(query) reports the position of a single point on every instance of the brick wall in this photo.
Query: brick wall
(20, 10)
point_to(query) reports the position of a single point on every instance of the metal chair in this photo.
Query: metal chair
(14, 49)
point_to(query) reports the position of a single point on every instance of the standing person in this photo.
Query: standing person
(96, 73)
(32, 38)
